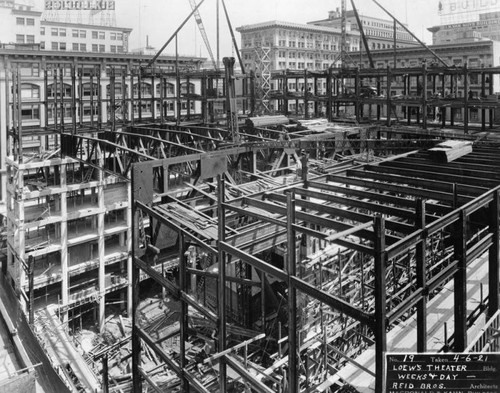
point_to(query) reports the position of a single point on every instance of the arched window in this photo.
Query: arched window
(145, 89)
(118, 89)
(168, 89)
(55, 90)
(184, 88)
(29, 90)
(90, 90)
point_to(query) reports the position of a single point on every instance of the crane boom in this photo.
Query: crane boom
(203, 32)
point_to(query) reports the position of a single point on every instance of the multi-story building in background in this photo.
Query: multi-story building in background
(292, 45)
(378, 32)
(24, 25)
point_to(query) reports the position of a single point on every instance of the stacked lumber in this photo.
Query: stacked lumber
(266, 121)
(450, 150)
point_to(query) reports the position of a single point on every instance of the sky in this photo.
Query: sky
(158, 19)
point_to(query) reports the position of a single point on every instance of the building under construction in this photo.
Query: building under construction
(212, 250)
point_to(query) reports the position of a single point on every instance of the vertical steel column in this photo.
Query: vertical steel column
(31, 276)
(285, 90)
(252, 93)
(61, 86)
(493, 259)
(124, 97)
(45, 103)
(453, 86)
(99, 98)
(306, 99)
(73, 100)
(105, 373)
(293, 381)
(378, 92)
(222, 284)
(316, 103)
(153, 92)
(356, 93)
(460, 283)
(163, 87)
(394, 45)
(483, 95)
(136, 342)
(132, 98)
(92, 98)
(139, 94)
(421, 279)
(380, 302)
(17, 106)
(466, 99)
(184, 310)
(112, 101)
(424, 96)
(54, 95)
(329, 91)
(177, 83)
(388, 96)
(80, 96)
(409, 109)
(204, 97)
(188, 103)
(490, 92)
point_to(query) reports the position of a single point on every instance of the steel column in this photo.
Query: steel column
(460, 283)
(222, 284)
(380, 303)
(421, 279)
(293, 382)
(184, 311)
(493, 260)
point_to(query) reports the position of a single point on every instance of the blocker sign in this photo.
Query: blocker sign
(80, 5)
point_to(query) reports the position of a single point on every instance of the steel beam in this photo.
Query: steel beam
(493, 254)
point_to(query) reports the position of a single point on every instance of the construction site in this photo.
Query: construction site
(167, 231)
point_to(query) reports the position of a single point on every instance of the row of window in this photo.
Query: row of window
(77, 47)
(76, 33)
(25, 39)
(283, 65)
(25, 21)
(32, 111)
(32, 91)
(32, 69)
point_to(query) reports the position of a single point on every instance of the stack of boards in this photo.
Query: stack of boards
(450, 150)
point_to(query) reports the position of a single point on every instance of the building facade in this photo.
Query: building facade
(292, 45)
(486, 27)
(24, 25)
(378, 32)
